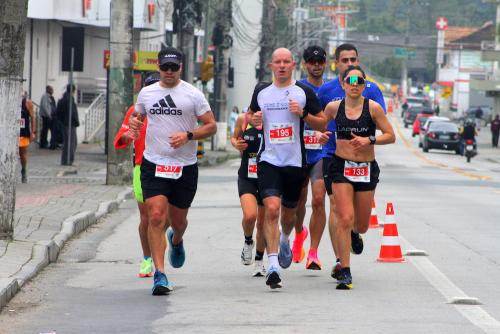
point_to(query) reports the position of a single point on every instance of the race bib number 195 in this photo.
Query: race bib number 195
(281, 133)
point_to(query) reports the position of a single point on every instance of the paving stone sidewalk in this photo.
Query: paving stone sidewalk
(57, 203)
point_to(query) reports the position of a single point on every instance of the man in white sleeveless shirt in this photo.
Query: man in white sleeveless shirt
(169, 171)
(283, 105)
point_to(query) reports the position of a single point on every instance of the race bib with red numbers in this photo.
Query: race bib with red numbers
(357, 171)
(168, 171)
(22, 123)
(310, 140)
(252, 168)
(281, 133)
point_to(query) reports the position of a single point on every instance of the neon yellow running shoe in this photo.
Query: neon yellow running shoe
(146, 269)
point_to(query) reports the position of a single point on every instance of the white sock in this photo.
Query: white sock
(284, 238)
(272, 260)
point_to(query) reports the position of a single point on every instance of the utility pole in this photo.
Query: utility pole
(268, 39)
(187, 14)
(222, 41)
(12, 38)
(119, 167)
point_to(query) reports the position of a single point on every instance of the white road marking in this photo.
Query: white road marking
(474, 313)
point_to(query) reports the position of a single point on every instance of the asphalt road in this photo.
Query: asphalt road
(443, 206)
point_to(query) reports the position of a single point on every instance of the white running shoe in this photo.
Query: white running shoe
(246, 253)
(259, 270)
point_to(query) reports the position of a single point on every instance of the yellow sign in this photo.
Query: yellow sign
(142, 60)
(446, 93)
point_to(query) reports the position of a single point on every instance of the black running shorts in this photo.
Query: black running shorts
(285, 182)
(249, 186)
(336, 170)
(179, 193)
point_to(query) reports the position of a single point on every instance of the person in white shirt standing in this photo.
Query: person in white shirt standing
(169, 170)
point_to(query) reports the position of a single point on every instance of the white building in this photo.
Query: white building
(43, 55)
(462, 63)
(245, 51)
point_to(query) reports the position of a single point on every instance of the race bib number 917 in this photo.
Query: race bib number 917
(357, 171)
(281, 133)
(168, 171)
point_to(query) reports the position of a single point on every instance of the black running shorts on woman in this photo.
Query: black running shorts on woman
(180, 192)
(355, 173)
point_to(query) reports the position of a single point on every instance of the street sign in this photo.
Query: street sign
(441, 23)
(405, 53)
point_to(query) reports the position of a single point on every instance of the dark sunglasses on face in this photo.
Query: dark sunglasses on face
(171, 67)
(316, 61)
(348, 60)
(354, 80)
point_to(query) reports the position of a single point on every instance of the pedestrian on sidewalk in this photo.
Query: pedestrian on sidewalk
(47, 110)
(478, 114)
(169, 170)
(27, 133)
(123, 139)
(69, 127)
(495, 131)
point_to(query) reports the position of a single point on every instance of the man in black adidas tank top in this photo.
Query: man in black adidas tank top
(284, 105)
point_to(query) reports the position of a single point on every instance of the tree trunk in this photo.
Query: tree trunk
(12, 36)
(119, 169)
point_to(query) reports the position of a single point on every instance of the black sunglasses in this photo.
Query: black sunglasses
(314, 61)
(354, 80)
(171, 67)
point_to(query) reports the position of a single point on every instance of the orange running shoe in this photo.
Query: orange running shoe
(298, 251)
(313, 263)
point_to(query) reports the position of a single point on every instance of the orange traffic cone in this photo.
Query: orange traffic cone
(373, 217)
(390, 107)
(390, 251)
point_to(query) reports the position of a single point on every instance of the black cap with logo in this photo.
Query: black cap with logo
(169, 55)
(314, 52)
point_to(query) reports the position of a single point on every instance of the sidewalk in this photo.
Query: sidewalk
(57, 203)
(485, 151)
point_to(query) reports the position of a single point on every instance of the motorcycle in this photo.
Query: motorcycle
(470, 151)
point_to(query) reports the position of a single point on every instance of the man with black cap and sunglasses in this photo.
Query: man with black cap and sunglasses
(314, 61)
(345, 56)
(169, 171)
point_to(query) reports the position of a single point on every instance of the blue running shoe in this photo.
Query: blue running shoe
(273, 278)
(161, 285)
(176, 253)
(285, 255)
(344, 281)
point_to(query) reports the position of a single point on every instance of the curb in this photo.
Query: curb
(45, 252)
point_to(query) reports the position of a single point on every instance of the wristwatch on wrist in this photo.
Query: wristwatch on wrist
(190, 135)
(373, 140)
